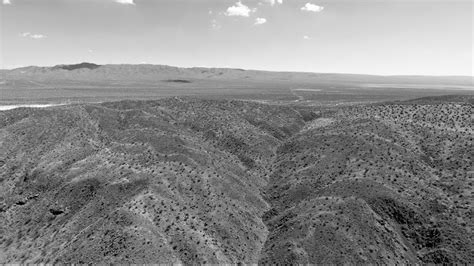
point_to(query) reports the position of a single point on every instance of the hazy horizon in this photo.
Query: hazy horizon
(394, 37)
(246, 69)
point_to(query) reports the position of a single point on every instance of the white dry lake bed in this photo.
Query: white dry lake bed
(14, 106)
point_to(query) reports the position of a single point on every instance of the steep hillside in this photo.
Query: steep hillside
(170, 181)
(188, 180)
(382, 183)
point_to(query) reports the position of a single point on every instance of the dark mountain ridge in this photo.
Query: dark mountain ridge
(77, 66)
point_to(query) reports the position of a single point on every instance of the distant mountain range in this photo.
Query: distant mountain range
(106, 73)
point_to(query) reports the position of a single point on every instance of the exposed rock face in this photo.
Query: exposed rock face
(205, 181)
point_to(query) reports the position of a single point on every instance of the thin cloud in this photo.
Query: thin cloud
(306, 37)
(239, 10)
(125, 2)
(37, 36)
(260, 21)
(32, 36)
(6, 2)
(215, 25)
(312, 8)
(273, 2)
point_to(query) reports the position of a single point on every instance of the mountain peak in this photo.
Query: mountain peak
(77, 66)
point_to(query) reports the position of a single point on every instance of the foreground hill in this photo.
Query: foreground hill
(167, 181)
(382, 183)
(184, 180)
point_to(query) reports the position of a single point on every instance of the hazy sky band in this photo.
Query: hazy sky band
(375, 37)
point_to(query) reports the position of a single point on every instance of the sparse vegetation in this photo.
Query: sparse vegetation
(186, 180)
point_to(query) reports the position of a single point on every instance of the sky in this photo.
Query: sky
(386, 37)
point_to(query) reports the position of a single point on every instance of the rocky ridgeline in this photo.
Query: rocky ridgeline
(182, 180)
